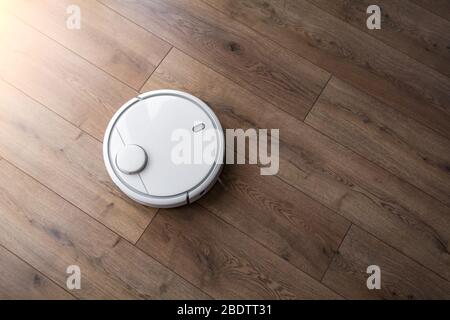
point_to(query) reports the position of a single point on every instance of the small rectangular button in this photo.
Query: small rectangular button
(198, 127)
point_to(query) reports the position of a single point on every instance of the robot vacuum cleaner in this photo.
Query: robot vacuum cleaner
(164, 148)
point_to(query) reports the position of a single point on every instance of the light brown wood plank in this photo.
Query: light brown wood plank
(18, 280)
(222, 261)
(371, 197)
(404, 26)
(67, 161)
(386, 137)
(50, 234)
(58, 78)
(106, 39)
(351, 55)
(254, 62)
(291, 224)
(439, 7)
(401, 278)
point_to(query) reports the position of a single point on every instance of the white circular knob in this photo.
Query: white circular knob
(131, 159)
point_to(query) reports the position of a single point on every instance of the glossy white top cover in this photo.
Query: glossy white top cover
(155, 146)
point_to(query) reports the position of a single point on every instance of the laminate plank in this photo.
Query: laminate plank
(19, 281)
(292, 225)
(404, 26)
(106, 39)
(58, 78)
(286, 221)
(50, 234)
(236, 51)
(222, 261)
(401, 278)
(67, 161)
(390, 208)
(439, 7)
(386, 137)
(351, 55)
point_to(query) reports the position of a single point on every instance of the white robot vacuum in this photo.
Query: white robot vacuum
(164, 148)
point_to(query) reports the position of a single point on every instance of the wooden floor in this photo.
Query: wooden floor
(364, 178)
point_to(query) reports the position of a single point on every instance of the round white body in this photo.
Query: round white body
(164, 148)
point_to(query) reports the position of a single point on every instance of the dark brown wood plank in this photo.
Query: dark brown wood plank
(223, 261)
(404, 26)
(286, 221)
(292, 225)
(67, 161)
(251, 236)
(386, 137)
(241, 54)
(401, 278)
(58, 78)
(18, 280)
(371, 197)
(106, 39)
(50, 234)
(439, 7)
(351, 55)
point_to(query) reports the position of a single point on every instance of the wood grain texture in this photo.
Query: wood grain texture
(104, 38)
(439, 7)
(50, 234)
(222, 261)
(254, 62)
(67, 161)
(386, 137)
(18, 280)
(292, 225)
(404, 26)
(283, 219)
(401, 278)
(371, 197)
(377, 156)
(351, 55)
(58, 78)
